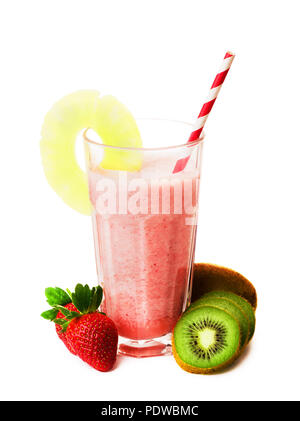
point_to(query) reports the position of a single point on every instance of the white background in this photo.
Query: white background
(159, 58)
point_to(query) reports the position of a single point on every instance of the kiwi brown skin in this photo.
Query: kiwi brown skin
(212, 370)
(209, 277)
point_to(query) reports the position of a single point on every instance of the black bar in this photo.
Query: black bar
(130, 409)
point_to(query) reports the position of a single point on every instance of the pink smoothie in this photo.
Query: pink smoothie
(144, 260)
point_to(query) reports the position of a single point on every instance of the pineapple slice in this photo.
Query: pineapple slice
(117, 127)
(65, 120)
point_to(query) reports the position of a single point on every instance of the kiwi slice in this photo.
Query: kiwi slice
(206, 339)
(208, 277)
(232, 308)
(241, 302)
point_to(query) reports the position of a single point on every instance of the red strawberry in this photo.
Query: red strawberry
(61, 334)
(94, 338)
(84, 330)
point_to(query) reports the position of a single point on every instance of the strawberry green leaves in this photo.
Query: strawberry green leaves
(68, 316)
(81, 297)
(67, 313)
(96, 298)
(86, 301)
(57, 296)
(50, 314)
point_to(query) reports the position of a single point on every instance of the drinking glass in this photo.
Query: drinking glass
(144, 223)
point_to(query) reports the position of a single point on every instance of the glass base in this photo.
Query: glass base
(146, 348)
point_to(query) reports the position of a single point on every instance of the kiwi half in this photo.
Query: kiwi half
(232, 308)
(241, 302)
(208, 277)
(206, 339)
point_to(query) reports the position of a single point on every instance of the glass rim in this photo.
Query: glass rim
(129, 148)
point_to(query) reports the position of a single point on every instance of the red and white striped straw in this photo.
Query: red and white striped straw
(207, 106)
